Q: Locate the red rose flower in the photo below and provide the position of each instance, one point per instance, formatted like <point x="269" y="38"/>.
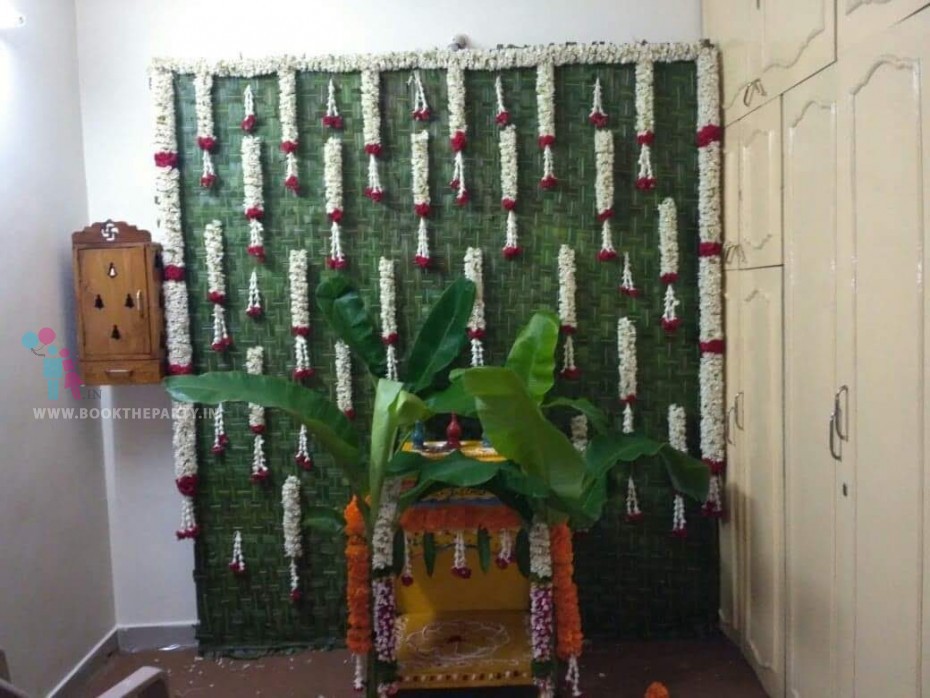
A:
<point x="606" y="255"/>
<point x="572" y="373"/>
<point x="302" y="373"/>
<point x="187" y="485"/>
<point x="216" y="297"/>
<point x="300" y="331"/>
<point x="206" y="143"/>
<point x="337" y="262"/>
<point x="546" y="140"/>
<point x="502" y="118"/>
<point x="501" y="563"/>
<point x="180" y="369"/>
<point x="257" y="428"/>
<point x="511" y="252"/>
<point x="207" y="181"/>
<point x="605" y="214"/>
<point x="332" y="121"/>
<point x="173" y="272"/>
<point x="421" y="114"/>
<point x="295" y="595"/>
<point x="248" y="123"/>
<point x="421" y="261"/>
<point x="711" y="133"/>
<point x="458" y="141"/>
<point x="462" y="198"/>
<point x="548" y="182"/>
<point x="373" y="149"/>
<point x="389" y="340"/>
<point x="292" y="183"/>
<point x="645" y="138"/>
<point x="710" y="249"/>
<point x="257" y="251"/>
<point x="476" y="333"/>
<point x="288" y="147"/>
<point x="568" y="329"/>
<point x="254" y="213"/>
<point x="597" y="119"/>
<point x="669" y="278"/>
<point x="454" y="184"/>
<point x="422" y="210"/>
<point x="375" y="195"/>
<point x="349" y="414"/>
<point x="646" y="183"/>
<point x="406" y="580"/>
<point x="714" y="346"/>
<point x="635" y="517"/>
<point x="166" y="158"/>
<point x="629" y="292"/>
<point x="335" y="215"/>
<point x="254" y="311"/>
<point x="260" y="476"/>
<point x="508" y="204"/>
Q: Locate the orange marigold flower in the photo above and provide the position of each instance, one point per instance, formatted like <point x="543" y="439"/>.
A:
<point x="569" y="637"/>
<point x="358" y="636"/>
<point x="656" y="690"/>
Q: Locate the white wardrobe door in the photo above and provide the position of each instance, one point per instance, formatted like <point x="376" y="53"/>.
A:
<point x="798" y="39"/>
<point x="760" y="225"/>
<point x="810" y="356"/>
<point x="762" y="493"/>
<point x="882" y="125"/>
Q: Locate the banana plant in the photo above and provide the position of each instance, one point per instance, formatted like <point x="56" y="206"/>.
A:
<point x="397" y="406"/>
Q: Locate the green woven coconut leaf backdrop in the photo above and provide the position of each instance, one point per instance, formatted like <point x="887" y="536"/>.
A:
<point x="634" y="579"/>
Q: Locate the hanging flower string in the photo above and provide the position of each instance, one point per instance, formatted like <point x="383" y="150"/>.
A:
<point x="460" y="566"/>
<point x="541" y="608"/>
<point x="358" y="588"/>
<point x="216" y="284"/>
<point x="420" y="110"/>
<point x="253" y="204"/>
<point x="505" y="554"/>
<point x="185" y="467"/>
<point x="545" y="108"/>
<point x="677" y="439"/>
<point x="604" y="190"/>
<point x="248" y="110"/>
<point x="385" y="608"/>
<point x="300" y="313"/>
<point x="633" y="513"/>
<point x="344" y="379"/>
<point x="255" y="366"/>
<point x="206" y="137"/>
<point x="419" y="160"/>
<point x="388" y="298"/>
<point x="287" y="107"/>
<point x="567" y="615"/>
<point x="502" y="118"/>
<point x="713" y="444"/>
<point x="597" y="117"/>
<point x="508" y="148"/>
<point x="331" y="119"/>
<point x="254" y="307"/>
<point x="668" y="262"/>
<point x="371" y="131"/>
<point x="455" y="81"/>
<point x="302" y="456"/>
<point x="220" y="439"/>
<point x="626" y="368"/>
<point x="645" y="123"/>
<point x="567" y="315"/>
<point x="476" y="323"/>
<point x="293" y="544"/>
<point x="237" y="563"/>
<point x="406" y="575"/>
<point x="627" y="286"/>
<point x="332" y="180"/>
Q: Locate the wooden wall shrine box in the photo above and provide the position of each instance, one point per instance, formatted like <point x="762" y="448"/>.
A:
<point x="117" y="284"/>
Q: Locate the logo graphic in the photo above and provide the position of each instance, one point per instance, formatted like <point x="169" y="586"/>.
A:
<point x="57" y="364"/>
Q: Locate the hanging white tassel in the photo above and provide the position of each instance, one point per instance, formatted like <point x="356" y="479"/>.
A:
<point x="254" y="308"/>
<point x="670" y="319"/>
<point x="406" y="576"/>
<point x="633" y="513"/>
<point x="459" y="562"/>
<point x="221" y="339"/>
<point x="679" y="524"/>
<point x="220" y="440"/>
<point x="420" y="105"/>
<point x="237" y="563"/>
<point x="627" y="287"/>
<point x="189" y="527"/>
<point x="260" y="471"/>
<point x="331" y="119"/>
<point x="302" y="457"/>
<point x="421" y="259"/>
<point x="505" y="551"/>
<point x="579" y="426"/>
<point x="358" y="680"/>
<point x="573" y="676"/>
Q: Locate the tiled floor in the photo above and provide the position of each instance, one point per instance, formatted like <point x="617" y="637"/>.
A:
<point x="693" y="669"/>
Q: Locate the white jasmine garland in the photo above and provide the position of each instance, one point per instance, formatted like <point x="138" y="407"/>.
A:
<point x="627" y="286"/>
<point x="213" y="246"/>
<point x="206" y="138"/>
<point x="293" y="543"/>
<point x="540" y="554"/>
<point x="344" y="379"/>
<point x="422" y="257"/>
<point x="645" y="123"/>
<point x="545" y="109"/>
<point x="253" y="204"/>
<point x="371" y="130"/>
<point x="382" y="542"/>
<point x="567" y="315"/>
<point x="579" y="427"/>
<point x="165" y="135"/>
<point x="255" y="366"/>
<point x="260" y="471"/>
<point x="604" y="189"/>
<point x="287" y="108"/>
<point x="332" y="180"/>
<point x="221" y="339"/>
<point x="627" y="365"/>
<point x="455" y="84"/>
<point x="185" y="465"/>
<point x="419" y="163"/>
<point x="237" y="562"/>
<point x="476" y="323"/>
<point x="633" y="512"/>
<point x="670" y="320"/>
<point x="388" y="300"/>
<point x="459" y="561"/>
<point x="331" y="119"/>
<point x="505" y="551"/>
<point x="188" y="527"/>
<point x="502" y="117"/>
<point x="302" y="368"/>
<point x="677" y="436"/>
<point x="597" y="117"/>
<point x="420" y="105"/>
<point x="220" y="439"/>
<point x="628" y="419"/>
<point x="248" y="109"/>
<point x="254" y="307"/>
<point x="508" y="150"/>
<point x="668" y="241"/>
<point x="297" y="276"/>
<point x="511" y="239"/>
<point x="302" y="456"/>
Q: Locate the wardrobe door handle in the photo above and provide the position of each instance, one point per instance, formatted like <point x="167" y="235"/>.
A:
<point x="836" y="457"/>
<point x="726" y="427"/>
<point x="738" y="402"/>
<point x="842" y="413"/>
<point x="747" y="94"/>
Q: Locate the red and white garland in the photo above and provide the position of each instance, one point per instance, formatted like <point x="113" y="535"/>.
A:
<point x="567" y="315"/>
<point x="505" y="552"/>
<point x="419" y="163"/>
<point x="502" y="117"/>
<point x="460" y="566"/>
<point x="668" y="262"/>
<point x="185" y="467"/>
<point x="206" y="137"/>
<point x="508" y="148"/>
<point x="541" y="604"/>
<point x="253" y="202"/>
<point x="627" y="286"/>
<point x="220" y="439"/>
<point x="216" y="284"/>
<point x="237" y="563"/>
<point x="255" y="366"/>
<point x="420" y="111"/>
<point x="344" y="379"/>
<point x="388" y="299"/>
<point x="371" y="131"/>
<point x="331" y="119"/>
<point x="302" y="456"/>
<point x="677" y="439"/>
<point x="597" y="117"/>
<point x="248" y="110"/>
<point x="287" y="108"/>
<point x="545" y="109"/>
<point x="455" y="81"/>
<point x="254" y="308"/>
<point x="332" y="181"/>
<point x="713" y="444"/>
<point x="300" y="313"/>
<point x="645" y="122"/>
<point x="476" y="323"/>
<point x="604" y="189"/>
<point x="293" y="543"/>
<point x="626" y="368"/>
<point x="382" y="559"/>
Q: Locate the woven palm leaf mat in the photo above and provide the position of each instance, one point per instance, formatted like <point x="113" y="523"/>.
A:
<point x="634" y="579"/>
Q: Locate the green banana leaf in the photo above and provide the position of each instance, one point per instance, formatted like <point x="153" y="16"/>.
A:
<point x="689" y="476"/>
<point x="532" y="355"/>
<point x="324" y="519"/>
<point x="345" y="313"/>
<point x="455" y="470"/>
<point x="329" y="427"/>
<point x="442" y="336"/>
<point x="597" y="419"/>
<point x="516" y="427"/>
<point x="484" y="549"/>
<point x="454" y="399"/>
<point x="606" y="450"/>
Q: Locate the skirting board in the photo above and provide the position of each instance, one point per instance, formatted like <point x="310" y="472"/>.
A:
<point x="131" y="638"/>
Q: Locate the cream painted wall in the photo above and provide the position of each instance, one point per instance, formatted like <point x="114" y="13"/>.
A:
<point x="117" y="39"/>
<point x="56" y="598"/>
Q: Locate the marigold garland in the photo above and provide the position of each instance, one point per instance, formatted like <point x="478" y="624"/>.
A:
<point x="569" y="637"/>
<point x="358" y="583"/>
<point x="457" y="517"/>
